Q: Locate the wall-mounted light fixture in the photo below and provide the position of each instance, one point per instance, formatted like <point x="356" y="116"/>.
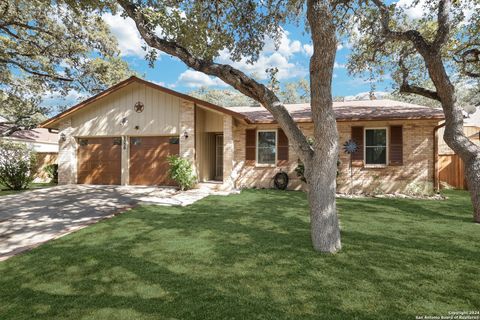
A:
<point x="63" y="137"/>
<point x="185" y="135"/>
<point x="124" y="121"/>
<point x="137" y="127"/>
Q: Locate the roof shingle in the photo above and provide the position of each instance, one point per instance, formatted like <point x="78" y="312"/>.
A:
<point x="349" y="111"/>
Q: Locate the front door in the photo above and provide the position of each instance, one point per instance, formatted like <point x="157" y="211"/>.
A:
<point x="219" y="157"/>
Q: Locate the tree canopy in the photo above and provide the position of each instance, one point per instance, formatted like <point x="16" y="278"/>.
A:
<point x="52" y="47"/>
<point x="378" y="54"/>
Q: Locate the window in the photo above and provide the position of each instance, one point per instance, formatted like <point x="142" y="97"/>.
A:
<point x="376" y="146"/>
<point x="266" y="147"/>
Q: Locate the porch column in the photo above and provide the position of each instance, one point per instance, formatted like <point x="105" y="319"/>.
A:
<point x="187" y="125"/>
<point x="67" y="154"/>
<point x="125" y="160"/>
<point x="228" y="153"/>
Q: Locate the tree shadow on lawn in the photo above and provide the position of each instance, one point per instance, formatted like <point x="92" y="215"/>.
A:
<point x="241" y="257"/>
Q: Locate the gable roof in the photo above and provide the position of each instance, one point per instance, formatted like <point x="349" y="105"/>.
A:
<point x="52" y="122"/>
<point x="381" y="109"/>
<point x="349" y="111"/>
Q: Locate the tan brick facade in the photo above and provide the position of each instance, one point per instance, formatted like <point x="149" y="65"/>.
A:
<point x="414" y="176"/>
<point x="67" y="154"/>
<point x="187" y="125"/>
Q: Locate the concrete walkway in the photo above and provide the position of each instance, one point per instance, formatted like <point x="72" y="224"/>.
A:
<point x="30" y="218"/>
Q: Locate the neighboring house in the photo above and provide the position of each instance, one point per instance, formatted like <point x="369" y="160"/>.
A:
<point x="451" y="169"/>
<point x="42" y="141"/>
<point x="123" y="135"/>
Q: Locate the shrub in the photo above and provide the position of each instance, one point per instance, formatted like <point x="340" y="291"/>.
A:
<point x="52" y="172"/>
<point x="181" y="171"/>
<point x="300" y="170"/>
<point x="17" y="162"/>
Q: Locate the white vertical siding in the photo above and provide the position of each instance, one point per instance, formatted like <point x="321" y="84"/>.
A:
<point x="103" y="117"/>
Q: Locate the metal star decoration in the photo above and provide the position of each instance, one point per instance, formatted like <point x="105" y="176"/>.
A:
<point x="350" y="147"/>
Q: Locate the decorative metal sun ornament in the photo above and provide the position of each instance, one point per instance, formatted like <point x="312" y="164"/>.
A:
<point x="139" y="107"/>
<point x="350" y="147"/>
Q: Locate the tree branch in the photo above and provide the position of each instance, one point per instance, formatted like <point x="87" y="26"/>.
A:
<point x="406" y="87"/>
<point x="443" y="21"/>
<point x="28" y="70"/>
<point x="410" y="35"/>
<point x="228" y="74"/>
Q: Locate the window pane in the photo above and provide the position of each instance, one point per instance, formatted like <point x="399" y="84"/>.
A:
<point x="376" y="155"/>
<point x="266" y="139"/>
<point x="266" y="147"/>
<point x="376" y="137"/>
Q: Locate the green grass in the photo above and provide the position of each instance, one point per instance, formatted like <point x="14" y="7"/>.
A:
<point x="4" y="191"/>
<point x="249" y="256"/>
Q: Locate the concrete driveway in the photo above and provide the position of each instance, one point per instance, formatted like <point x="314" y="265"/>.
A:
<point x="30" y="218"/>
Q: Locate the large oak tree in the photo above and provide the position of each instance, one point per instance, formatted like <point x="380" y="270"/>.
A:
<point x="196" y="32"/>
<point x="426" y="56"/>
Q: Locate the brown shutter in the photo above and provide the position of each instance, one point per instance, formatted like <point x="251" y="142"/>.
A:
<point x="396" y="146"/>
<point x="357" y="136"/>
<point x="250" y="146"/>
<point x="282" y="148"/>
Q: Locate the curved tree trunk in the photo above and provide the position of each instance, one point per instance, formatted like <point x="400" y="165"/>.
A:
<point x="431" y="52"/>
<point x="320" y="161"/>
<point x="472" y="172"/>
<point x="454" y="134"/>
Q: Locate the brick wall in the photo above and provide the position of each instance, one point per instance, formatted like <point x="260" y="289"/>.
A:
<point x="67" y="155"/>
<point x="187" y="125"/>
<point x="414" y="176"/>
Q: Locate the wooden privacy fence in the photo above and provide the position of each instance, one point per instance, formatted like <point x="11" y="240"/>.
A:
<point x="451" y="171"/>
<point x="43" y="160"/>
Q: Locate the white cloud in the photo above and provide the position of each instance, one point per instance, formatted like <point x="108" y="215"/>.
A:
<point x="271" y="57"/>
<point x="338" y="65"/>
<point x="308" y="49"/>
<point x="55" y="98"/>
<point x="286" y="69"/>
<point x="124" y="29"/>
<point x="195" y="79"/>
<point x="286" y="47"/>
<point x="412" y="11"/>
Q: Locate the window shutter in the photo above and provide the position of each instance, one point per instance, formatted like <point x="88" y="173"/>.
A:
<point x="396" y="146"/>
<point x="357" y="136"/>
<point x="282" y="148"/>
<point x="250" y="146"/>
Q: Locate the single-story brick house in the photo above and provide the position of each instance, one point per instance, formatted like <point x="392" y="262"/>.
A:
<point x="123" y="135"/>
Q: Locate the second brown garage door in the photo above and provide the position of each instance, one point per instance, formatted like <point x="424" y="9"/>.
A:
<point x="148" y="159"/>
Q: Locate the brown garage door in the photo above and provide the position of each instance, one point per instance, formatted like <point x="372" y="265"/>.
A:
<point x="99" y="161"/>
<point x="148" y="159"/>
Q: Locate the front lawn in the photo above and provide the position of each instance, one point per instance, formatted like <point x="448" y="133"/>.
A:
<point x="248" y="256"/>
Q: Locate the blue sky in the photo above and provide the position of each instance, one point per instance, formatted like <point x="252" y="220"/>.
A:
<point x="291" y="59"/>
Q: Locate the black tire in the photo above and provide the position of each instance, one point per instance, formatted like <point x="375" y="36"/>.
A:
<point x="280" y="181"/>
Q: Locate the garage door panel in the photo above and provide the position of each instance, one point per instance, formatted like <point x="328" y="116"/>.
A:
<point x="99" y="161"/>
<point x="148" y="160"/>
